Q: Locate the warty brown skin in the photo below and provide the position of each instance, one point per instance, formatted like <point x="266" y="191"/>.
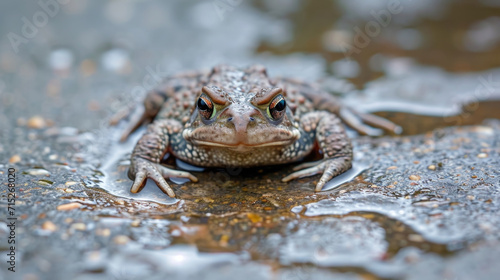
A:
<point x="231" y="117"/>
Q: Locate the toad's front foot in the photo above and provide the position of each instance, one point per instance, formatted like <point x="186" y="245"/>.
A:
<point x="330" y="168"/>
<point x="142" y="169"/>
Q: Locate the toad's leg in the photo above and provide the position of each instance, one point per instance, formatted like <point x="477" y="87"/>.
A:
<point x="147" y="155"/>
<point x="333" y="142"/>
<point x="152" y="105"/>
<point x="324" y="101"/>
<point x="356" y="121"/>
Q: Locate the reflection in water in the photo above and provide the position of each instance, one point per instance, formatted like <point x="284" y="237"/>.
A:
<point x="346" y="177"/>
<point x="114" y="179"/>
<point x="179" y="261"/>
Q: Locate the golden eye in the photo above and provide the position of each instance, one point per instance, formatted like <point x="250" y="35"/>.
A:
<point x="277" y="107"/>
<point x="206" y="107"/>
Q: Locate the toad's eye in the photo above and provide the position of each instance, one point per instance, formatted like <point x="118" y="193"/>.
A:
<point x="276" y="109"/>
<point x="206" y="107"/>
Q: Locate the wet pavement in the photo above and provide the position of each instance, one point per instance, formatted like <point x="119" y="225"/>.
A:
<point x="421" y="205"/>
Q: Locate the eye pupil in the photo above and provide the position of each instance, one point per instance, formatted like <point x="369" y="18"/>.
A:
<point x="277" y="107"/>
<point x="205" y="107"/>
<point x="202" y="105"/>
<point x="281" y="105"/>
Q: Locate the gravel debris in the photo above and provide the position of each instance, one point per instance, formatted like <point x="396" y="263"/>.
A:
<point x="414" y="177"/>
<point x="69" y="206"/>
<point x="121" y="239"/>
<point x="79" y="226"/>
<point x="49" y="226"/>
<point x="36" y="122"/>
<point x="14" y="159"/>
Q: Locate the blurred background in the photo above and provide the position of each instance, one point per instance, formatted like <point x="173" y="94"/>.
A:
<point x="67" y="65"/>
<point x="69" y="61"/>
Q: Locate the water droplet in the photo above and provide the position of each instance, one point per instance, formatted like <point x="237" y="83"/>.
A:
<point x="61" y="59"/>
<point x="115" y="59"/>
<point x="345" y="68"/>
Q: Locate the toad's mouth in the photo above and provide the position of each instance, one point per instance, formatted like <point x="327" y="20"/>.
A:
<point x="242" y="141"/>
<point x="242" y="146"/>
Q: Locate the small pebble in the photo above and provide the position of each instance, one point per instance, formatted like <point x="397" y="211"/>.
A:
<point x="223" y="240"/>
<point x="471" y="197"/>
<point x="431" y="167"/>
<point x="69" y="206"/>
<point x="79" y="226"/>
<point x="88" y="67"/>
<point x="36" y="122"/>
<point x="374" y="186"/>
<point x="486" y="227"/>
<point x="121" y="239"/>
<point x="415" y="238"/>
<point x="45" y="182"/>
<point x="135" y="223"/>
<point x="391" y="186"/>
<point x="482" y="155"/>
<point x="254" y="218"/>
<point x="49" y="226"/>
<point x="94" y="256"/>
<point x="15" y="159"/>
<point x="93" y="105"/>
<point x="70" y="183"/>
<point x="37" y="172"/>
<point x="414" y="177"/>
<point x="392" y="167"/>
<point x="103" y="232"/>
